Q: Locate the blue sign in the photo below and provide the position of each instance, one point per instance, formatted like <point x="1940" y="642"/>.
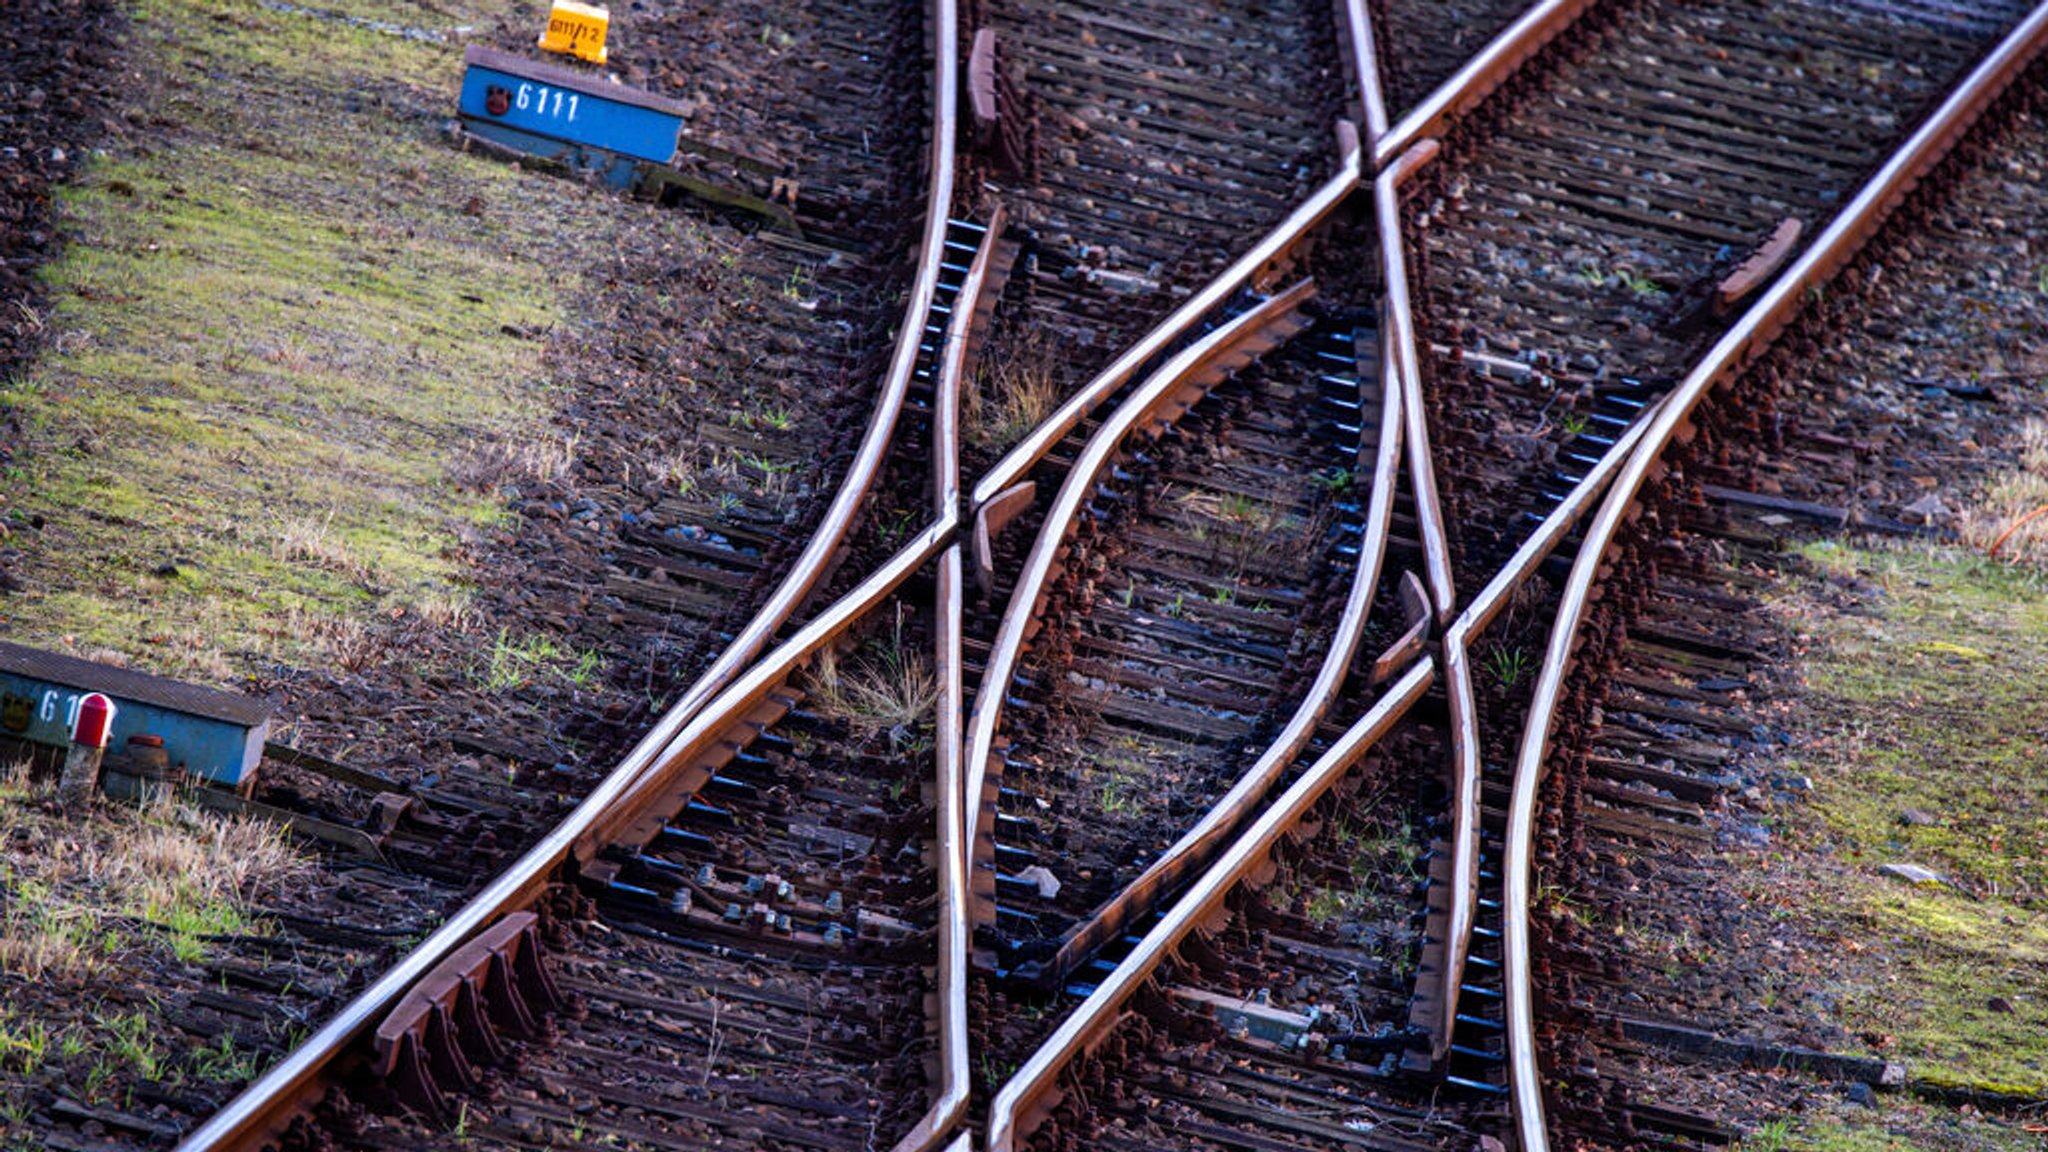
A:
<point x="502" y="90"/>
<point x="217" y="735"/>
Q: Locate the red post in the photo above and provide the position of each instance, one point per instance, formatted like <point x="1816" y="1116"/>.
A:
<point x="89" y="734"/>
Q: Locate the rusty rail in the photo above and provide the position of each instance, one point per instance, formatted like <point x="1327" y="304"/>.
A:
<point x="1175" y="386"/>
<point x="261" y="1111"/>
<point x="1735" y="351"/>
<point x="1260" y="260"/>
<point x="1481" y="76"/>
<point x="811" y="567"/>
<point x="1028" y="1095"/>
<point x="1198" y="844"/>
<point x="950" y="1107"/>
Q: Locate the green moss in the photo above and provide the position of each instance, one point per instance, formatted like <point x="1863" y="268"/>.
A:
<point x="276" y="334"/>
<point x="1897" y="1125"/>
<point x="1929" y="698"/>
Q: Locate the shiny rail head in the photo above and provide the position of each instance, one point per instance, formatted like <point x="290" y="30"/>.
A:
<point x="1741" y="347"/>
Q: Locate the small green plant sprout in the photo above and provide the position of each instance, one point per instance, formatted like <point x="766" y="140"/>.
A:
<point x="1642" y="286"/>
<point x="1509" y="665"/>
<point x="1224" y="595"/>
<point x="221" y="1064"/>
<point x="1593" y="274"/>
<point x="1119" y="794"/>
<point x="798" y="288"/>
<point x="1771" y="1137"/>
<point x="1573" y="423"/>
<point x="22" y="1046"/>
<point x="1176" y="608"/>
<point x="514" y="662"/>
<point x="729" y="504"/>
<point x="1332" y="480"/>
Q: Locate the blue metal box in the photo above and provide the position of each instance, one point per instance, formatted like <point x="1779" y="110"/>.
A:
<point x="502" y="91"/>
<point x="217" y="735"/>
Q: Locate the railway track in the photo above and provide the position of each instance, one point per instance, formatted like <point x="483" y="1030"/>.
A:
<point x="786" y="869"/>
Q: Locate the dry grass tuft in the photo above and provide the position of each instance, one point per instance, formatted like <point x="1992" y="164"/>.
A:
<point x="893" y="690"/>
<point x="74" y="897"/>
<point x="1016" y="389"/>
<point x="2006" y="501"/>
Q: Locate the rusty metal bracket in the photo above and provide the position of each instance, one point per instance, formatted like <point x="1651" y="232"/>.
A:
<point x="454" y="1018"/>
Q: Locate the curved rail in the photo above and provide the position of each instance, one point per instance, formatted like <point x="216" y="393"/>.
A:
<point x="1198" y="843"/>
<point x="951" y="1105"/>
<point x="1020" y="1102"/>
<point x="1020" y="617"/>
<point x="1261" y="257"/>
<point x="1481" y="76"/>
<point x="262" y="1109"/>
<point x="1741" y="347"/>
<point x="815" y="562"/>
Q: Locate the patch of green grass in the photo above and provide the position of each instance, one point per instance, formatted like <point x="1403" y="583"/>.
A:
<point x="222" y="1064"/>
<point x="516" y="661"/>
<point x="270" y="334"/>
<point x="129" y="1038"/>
<point x="1902" y="1124"/>
<point x="1927" y="697"/>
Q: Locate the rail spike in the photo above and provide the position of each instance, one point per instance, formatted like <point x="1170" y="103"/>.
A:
<point x="459" y="1014"/>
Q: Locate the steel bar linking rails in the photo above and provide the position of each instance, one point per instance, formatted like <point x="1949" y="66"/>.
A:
<point x="1742" y="346"/>
<point x="1271" y="247"/>
<point x="1017" y="1104"/>
<point x="1481" y="76"/>
<point x="1031" y="583"/>
<point x="260" y="1111"/>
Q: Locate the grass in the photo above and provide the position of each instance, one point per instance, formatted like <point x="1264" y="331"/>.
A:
<point x="888" y="687"/>
<point x="266" y="337"/>
<point x="514" y="662"/>
<point x="1509" y="665"/>
<point x="1902" y="1125"/>
<point x="1927" y="697"/>
<point x="1015" y="389"/>
<point x="76" y="899"/>
<point x="2006" y="501"/>
<point x="1124" y="776"/>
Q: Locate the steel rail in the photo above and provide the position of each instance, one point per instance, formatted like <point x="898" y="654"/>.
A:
<point x="1199" y="843"/>
<point x="816" y="561"/>
<point x="1480" y="77"/>
<point x="263" y="1108"/>
<point x="1020" y="1103"/>
<point x="1739" y="348"/>
<point x="1365" y="69"/>
<point x="1458" y="689"/>
<point x="1260" y="258"/>
<point x="1400" y="334"/>
<point x="950" y="1106"/>
<point x="1020" y="616"/>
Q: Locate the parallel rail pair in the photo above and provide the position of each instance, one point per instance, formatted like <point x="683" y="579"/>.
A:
<point x="744" y="676"/>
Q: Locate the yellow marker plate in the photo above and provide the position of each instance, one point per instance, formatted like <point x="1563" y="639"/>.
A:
<point x="577" y="30"/>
